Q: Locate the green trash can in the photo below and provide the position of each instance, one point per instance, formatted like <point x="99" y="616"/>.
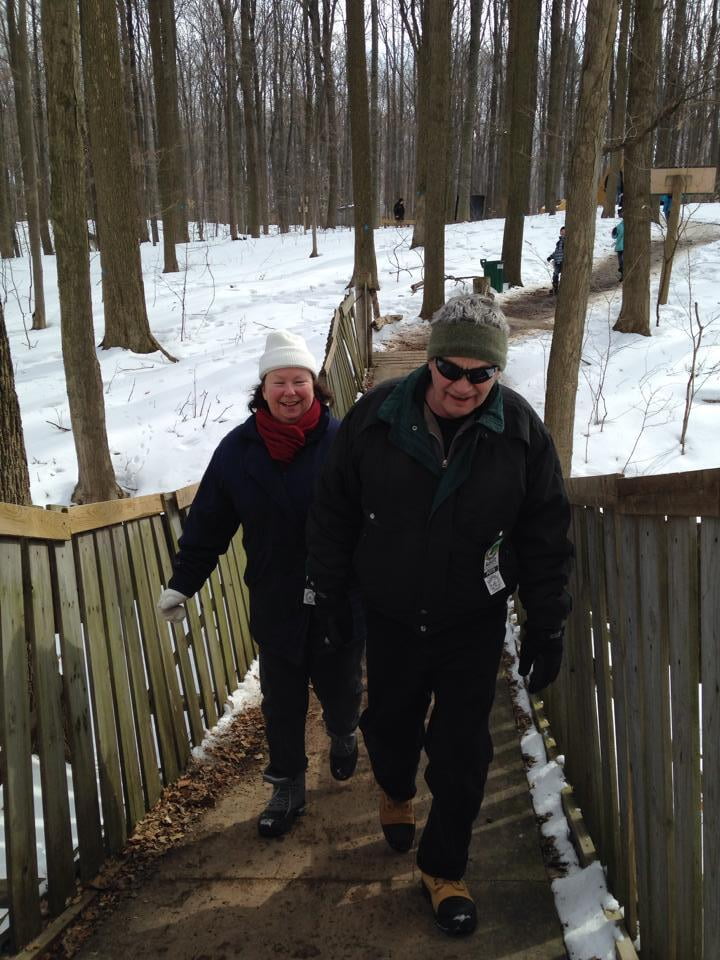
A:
<point x="494" y="271"/>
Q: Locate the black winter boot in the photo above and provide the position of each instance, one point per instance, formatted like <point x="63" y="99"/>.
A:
<point x="343" y="756"/>
<point x="286" y="804"/>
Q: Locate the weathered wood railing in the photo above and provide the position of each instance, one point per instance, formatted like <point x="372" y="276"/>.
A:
<point x="117" y="693"/>
<point x="343" y="368"/>
<point x="636" y="710"/>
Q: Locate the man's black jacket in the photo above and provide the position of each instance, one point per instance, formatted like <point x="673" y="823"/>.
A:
<point x="419" y="536"/>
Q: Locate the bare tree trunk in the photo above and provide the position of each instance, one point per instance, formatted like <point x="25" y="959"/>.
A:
<point x="163" y="57"/>
<point x="309" y="194"/>
<point x="263" y="189"/>
<point x="153" y="188"/>
<point x="364" y="279"/>
<point x="463" y="211"/>
<point x="374" y="112"/>
<point x="635" y="311"/>
<point x="247" y="59"/>
<point x="495" y="199"/>
<point x="422" y="98"/>
<point x="666" y="149"/>
<point x="7" y="218"/>
<point x="20" y="66"/>
<point x="131" y="112"/>
<point x="525" y="26"/>
<point x="43" y="174"/>
<point x="564" y="364"/>
<point x="554" y="122"/>
<point x="437" y="19"/>
<point x="331" y="108"/>
<point x="227" y="13"/>
<point x="619" y="106"/>
<point x="96" y="479"/>
<point x="14" y="476"/>
<point x="126" y="320"/>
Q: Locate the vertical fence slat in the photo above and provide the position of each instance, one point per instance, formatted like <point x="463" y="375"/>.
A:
<point x="627" y="547"/>
<point x="167" y="654"/>
<point x="233" y="588"/>
<point x="584" y="765"/>
<point x="683" y="607"/>
<point x="136" y="669"/>
<point x="51" y="737"/>
<point x="658" y="933"/>
<point x="607" y="815"/>
<point x="212" y="641"/>
<point x="111" y="787"/>
<point x="151" y="647"/>
<point x="624" y="883"/>
<point x="77" y="705"/>
<point x="192" y="704"/>
<point x="197" y="643"/>
<point x="244" y="601"/>
<point x="120" y="681"/>
<point x="217" y="589"/>
<point x="710" y="666"/>
<point x="22" y="870"/>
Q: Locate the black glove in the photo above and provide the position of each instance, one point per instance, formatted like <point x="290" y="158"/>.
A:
<point x="550" y="258"/>
<point x="540" y="651"/>
<point x="331" y="619"/>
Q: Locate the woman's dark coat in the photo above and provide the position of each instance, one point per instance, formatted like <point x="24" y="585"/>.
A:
<point x="243" y="485"/>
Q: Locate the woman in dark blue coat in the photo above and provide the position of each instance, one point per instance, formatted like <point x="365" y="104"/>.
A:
<point x="262" y="476"/>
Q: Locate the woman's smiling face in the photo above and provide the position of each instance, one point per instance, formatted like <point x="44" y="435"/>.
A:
<point x="289" y="393"/>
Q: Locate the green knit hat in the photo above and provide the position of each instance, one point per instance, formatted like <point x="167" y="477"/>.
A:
<point x="470" y="326"/>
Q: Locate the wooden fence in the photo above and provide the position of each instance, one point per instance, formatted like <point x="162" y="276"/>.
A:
<point x="118" y="695"/>
<point x="343" y="369"/>
<point x="636" y="710"/>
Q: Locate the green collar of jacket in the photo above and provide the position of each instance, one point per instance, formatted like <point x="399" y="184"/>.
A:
<point x="402" y="410"/>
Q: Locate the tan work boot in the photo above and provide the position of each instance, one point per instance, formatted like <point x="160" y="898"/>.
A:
<point x="397" y="819"/>
<point x="454" y="909"/>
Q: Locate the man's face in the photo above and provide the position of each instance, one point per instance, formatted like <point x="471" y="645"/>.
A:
<point x="457" y="398"/>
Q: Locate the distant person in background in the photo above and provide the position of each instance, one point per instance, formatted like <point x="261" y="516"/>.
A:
<point x="618" y="235"/>
<point x="666" y="203"/>
<point x="263" y="476"/>
<point x="399" y="210"/>
<point x="557" y="258"/>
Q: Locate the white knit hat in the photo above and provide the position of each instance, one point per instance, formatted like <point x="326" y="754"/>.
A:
<point x="283" y="349"/>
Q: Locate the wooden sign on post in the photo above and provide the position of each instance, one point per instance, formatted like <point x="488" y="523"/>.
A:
<point x="677" y="182"/>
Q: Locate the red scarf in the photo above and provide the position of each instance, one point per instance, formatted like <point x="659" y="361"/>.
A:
<point x="284" y="440"/>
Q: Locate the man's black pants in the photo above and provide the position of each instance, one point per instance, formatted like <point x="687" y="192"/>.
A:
<point x="405" y="670"/>
<point x="337" y="680"/>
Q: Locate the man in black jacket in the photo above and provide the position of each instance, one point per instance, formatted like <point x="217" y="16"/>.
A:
<point x="442" y="494"/>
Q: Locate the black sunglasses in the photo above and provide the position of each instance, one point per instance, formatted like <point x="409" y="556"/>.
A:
<point x="451" y="371"/>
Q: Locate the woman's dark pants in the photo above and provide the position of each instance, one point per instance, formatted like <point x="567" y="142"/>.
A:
<point x="337" y="680"/>
<point x="457" y="667"/>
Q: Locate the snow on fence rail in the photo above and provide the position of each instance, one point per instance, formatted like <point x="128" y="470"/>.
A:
<point x="91" y="675"/>
<point x="636" y="710"/>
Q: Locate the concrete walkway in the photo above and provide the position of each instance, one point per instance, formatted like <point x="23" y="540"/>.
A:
<point x="332" y="888"/>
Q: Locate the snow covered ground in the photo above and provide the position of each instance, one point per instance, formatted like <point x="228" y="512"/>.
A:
<point x="165" y="419"/>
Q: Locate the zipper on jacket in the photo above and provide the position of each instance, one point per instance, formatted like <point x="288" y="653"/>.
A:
<point x="444" y="463"/>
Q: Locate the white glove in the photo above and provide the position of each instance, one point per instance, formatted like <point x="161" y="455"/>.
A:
<point x="171" y="605"/>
